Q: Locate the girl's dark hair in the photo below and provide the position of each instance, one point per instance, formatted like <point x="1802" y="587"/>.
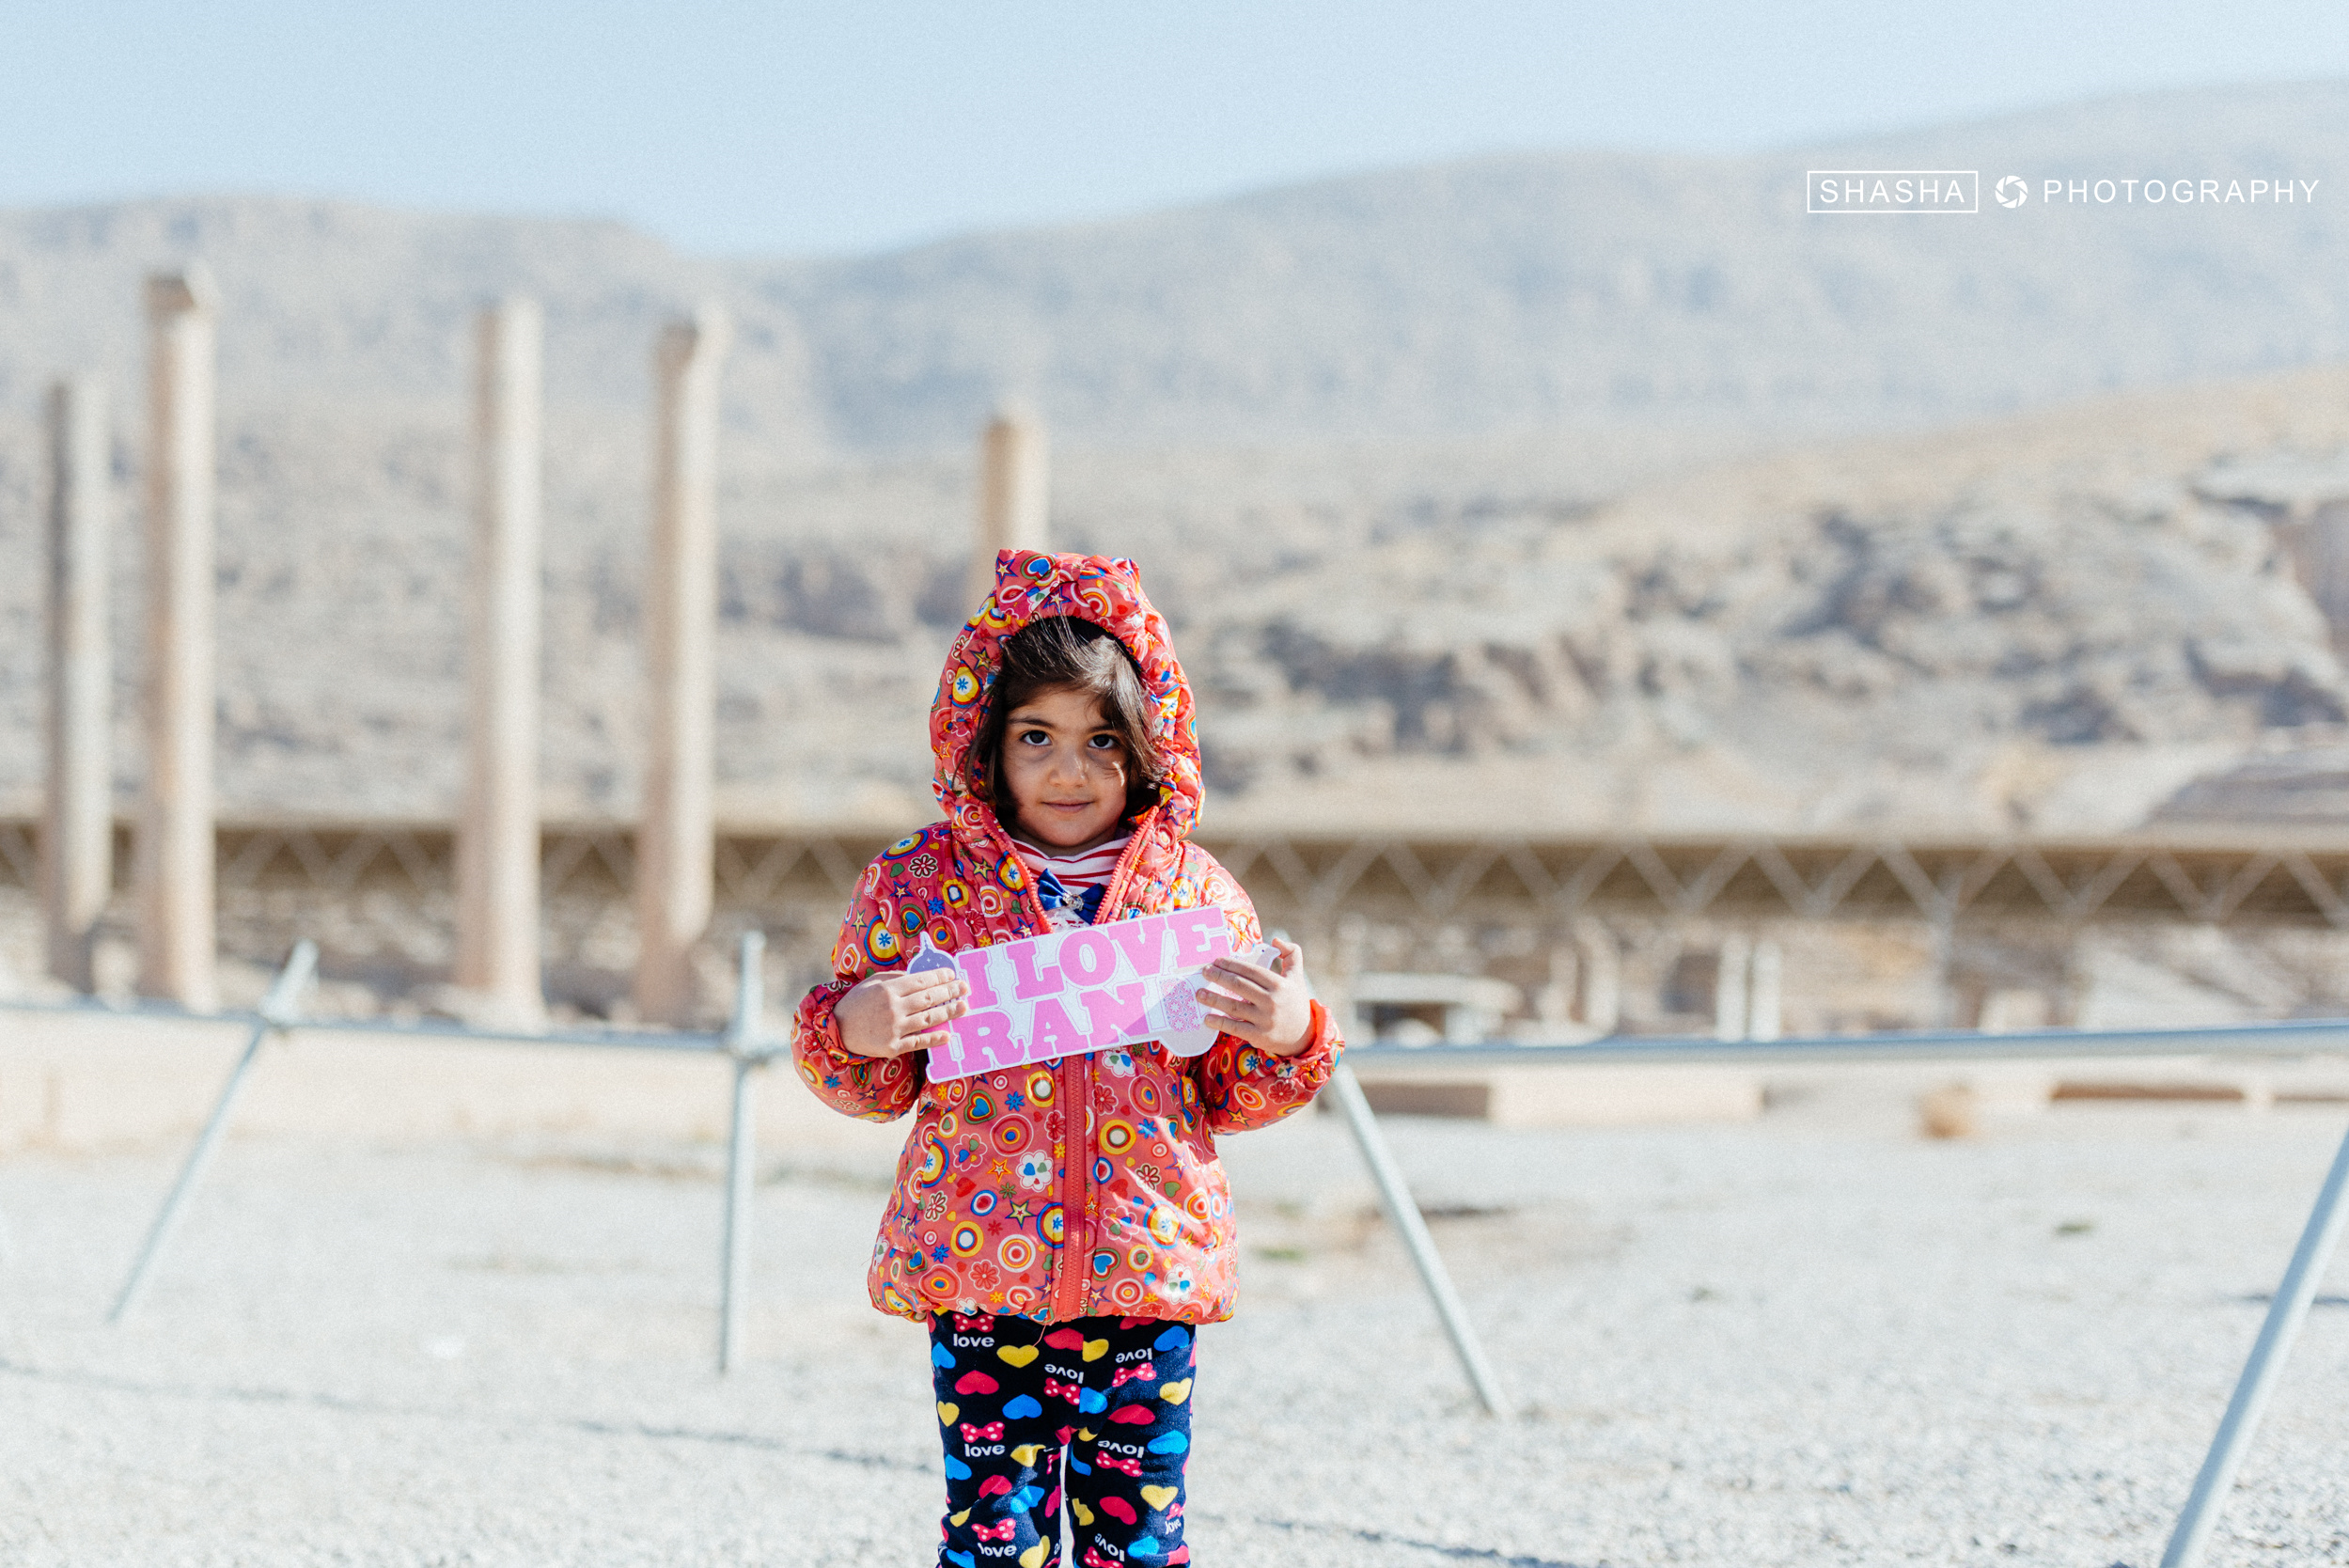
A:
<point x="1063" y="653"/>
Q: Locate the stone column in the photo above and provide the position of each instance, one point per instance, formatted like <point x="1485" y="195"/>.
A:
<point x="1015" y="495"/>
<point x="77" y="815"/>
<point x="1731" y="976"/>
<point x="497" y="836"/>
<point x="1766" y="1007"/>
<point x="1602" y="964"/>
<point x="673" y="841"/>
<point x="1554" y="1002"/>
<point x="173" y="861"/>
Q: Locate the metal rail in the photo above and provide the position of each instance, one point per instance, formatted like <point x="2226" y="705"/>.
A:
<point x="742" y="1154"/>
<point x="745" y="1046"/>
<point x="1404" y="1211"/>
<point x="744" y="1041"/>
<point x="276" y="1011"/>
<point x="686" y="1041"/>
<point x="2285" y="1313"/>
<point x="2288" y="1037"/>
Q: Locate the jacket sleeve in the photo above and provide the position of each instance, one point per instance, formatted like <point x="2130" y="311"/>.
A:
<point x="872" y="1089"/>
<point x="1242" y="1085"/>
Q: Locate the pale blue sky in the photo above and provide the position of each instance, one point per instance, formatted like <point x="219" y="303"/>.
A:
<point x="856" y="124"/>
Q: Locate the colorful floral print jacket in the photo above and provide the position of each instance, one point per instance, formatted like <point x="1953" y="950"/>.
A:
<point x="1087" y="1185"/>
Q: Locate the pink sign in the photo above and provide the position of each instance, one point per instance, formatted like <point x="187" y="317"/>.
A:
<point x="1083" y="989"/>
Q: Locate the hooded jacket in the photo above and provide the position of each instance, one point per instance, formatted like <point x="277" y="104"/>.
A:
<point x="1086" y="1185"/>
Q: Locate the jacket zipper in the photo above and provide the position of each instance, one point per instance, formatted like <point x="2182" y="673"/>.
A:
<point x="1075" y="1085"/>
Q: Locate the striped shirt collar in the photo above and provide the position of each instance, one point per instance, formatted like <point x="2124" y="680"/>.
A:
<point x="1071" y="886"/>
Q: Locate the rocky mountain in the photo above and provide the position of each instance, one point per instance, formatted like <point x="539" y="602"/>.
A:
<point x="2050" y="622"/>
<point x="1529" y="291"/>
<point x="1611" y="486"/>
<point x="1541" y="290"/>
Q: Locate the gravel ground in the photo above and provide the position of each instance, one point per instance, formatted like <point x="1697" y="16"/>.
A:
<point x="1811" y="1340"/>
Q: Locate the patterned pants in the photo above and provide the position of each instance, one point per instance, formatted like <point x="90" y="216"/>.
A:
<point x="1111" y="1394"/>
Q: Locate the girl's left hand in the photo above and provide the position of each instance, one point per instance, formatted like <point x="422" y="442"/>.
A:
<point x="1271" y="1008"/>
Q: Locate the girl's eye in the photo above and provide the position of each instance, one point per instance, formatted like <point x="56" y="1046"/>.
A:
<point x="1103" y="743"/>
<point x="1035" y="737"/>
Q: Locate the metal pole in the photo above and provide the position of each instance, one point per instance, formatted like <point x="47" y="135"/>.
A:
<point x="741" y="1156"/>
<point x="1405" y="1211"/>
<point x="277" y="1010"/>
<point x="2285" y="1314"/>
<point x="740" y="1160"/>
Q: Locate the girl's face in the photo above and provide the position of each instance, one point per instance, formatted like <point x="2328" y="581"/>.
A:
<point x="1066" y="772"/>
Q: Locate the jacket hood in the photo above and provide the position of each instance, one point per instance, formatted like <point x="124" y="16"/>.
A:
<point x="1031" y="585"/>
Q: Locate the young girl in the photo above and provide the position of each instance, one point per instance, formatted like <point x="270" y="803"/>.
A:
<point x="1061" y="1228"/>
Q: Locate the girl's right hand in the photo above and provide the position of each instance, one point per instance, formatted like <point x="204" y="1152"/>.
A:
<point x="892" y="1013"/>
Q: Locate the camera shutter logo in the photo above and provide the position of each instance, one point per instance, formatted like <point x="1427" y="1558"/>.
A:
<point x="2014" y="191"/>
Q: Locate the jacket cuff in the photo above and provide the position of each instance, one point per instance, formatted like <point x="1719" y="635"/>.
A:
<point x="816" y="1046"/>
<point x="1320" y="1054"/>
